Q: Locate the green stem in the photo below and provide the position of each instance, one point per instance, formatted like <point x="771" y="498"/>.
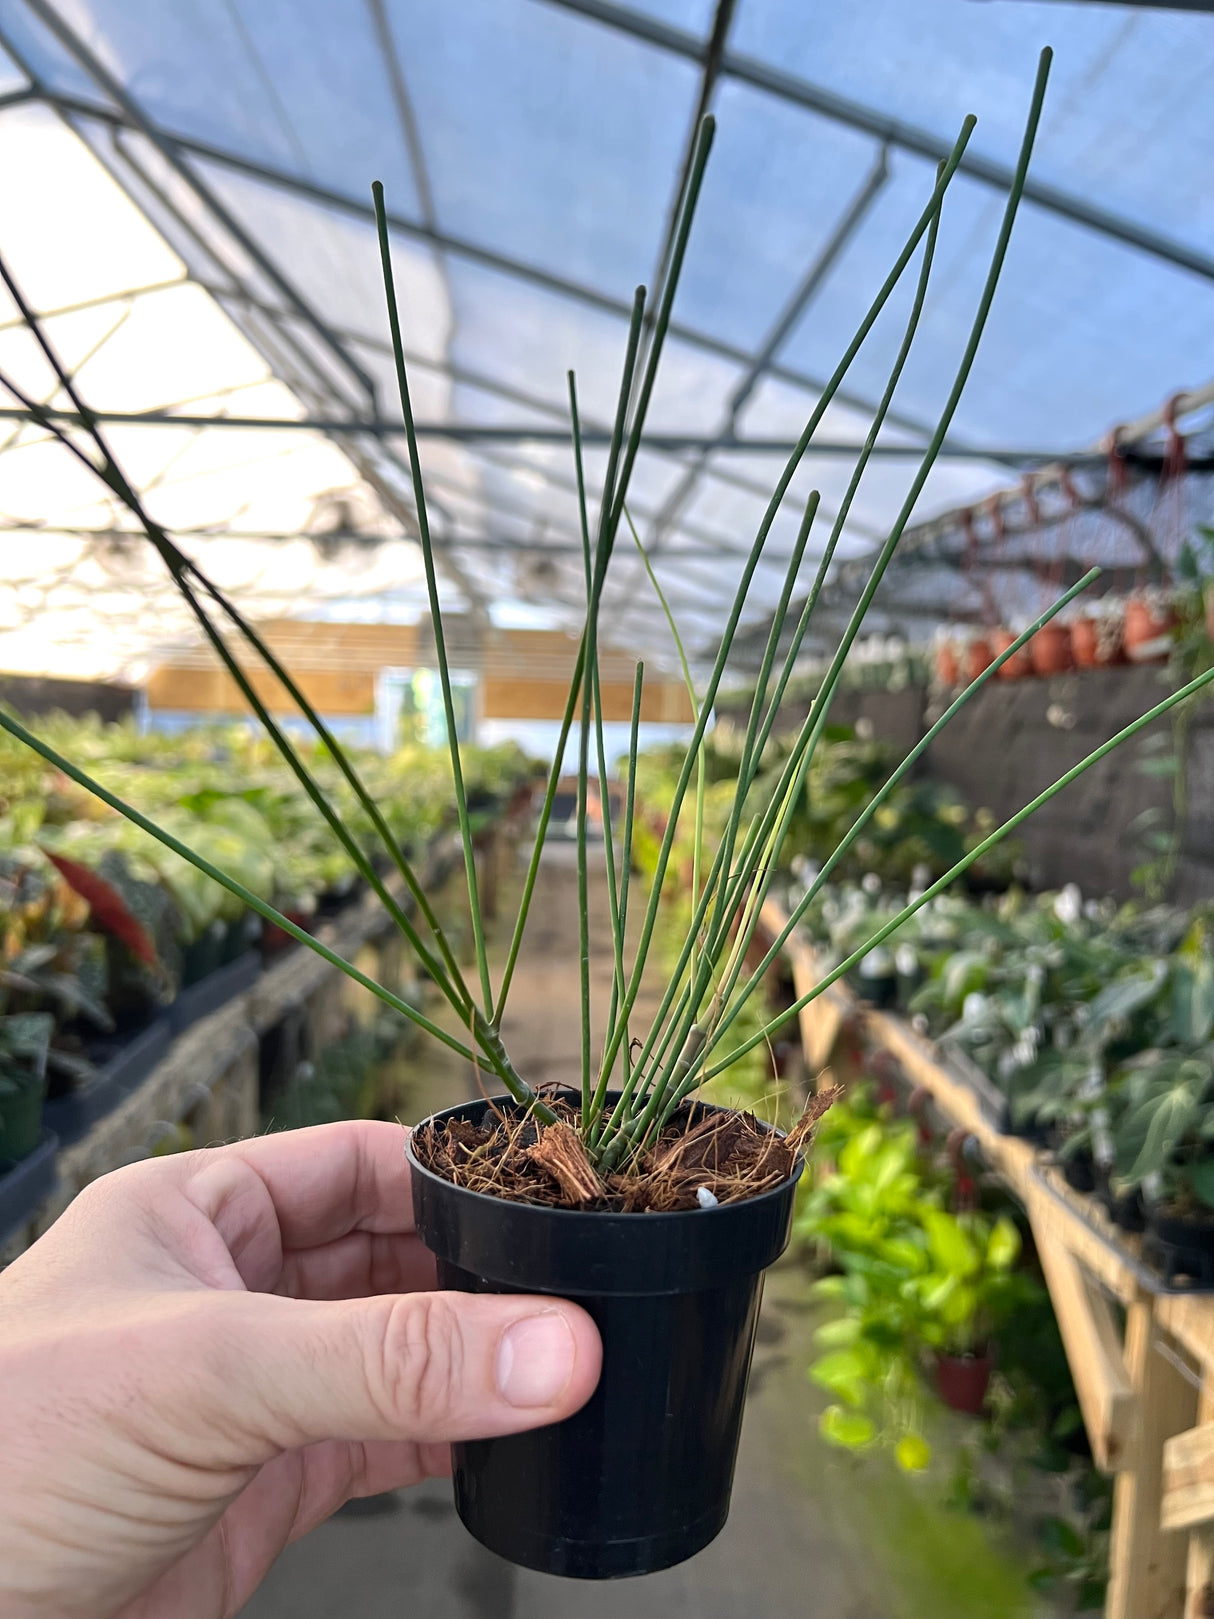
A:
<point x="776" y="824"/>
<point x="887" y="788"/>
<point x="440" y="648"/>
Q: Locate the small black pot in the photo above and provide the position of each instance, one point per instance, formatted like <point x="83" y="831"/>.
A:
<point x="1079" y="1169"/>
<point x="1180" y="1247"/>
<point x="1125" y="1210"/>
<point x="639" y="1478"/>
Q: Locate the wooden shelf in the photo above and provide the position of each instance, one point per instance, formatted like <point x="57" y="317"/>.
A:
<point x="1138" y="1388"/>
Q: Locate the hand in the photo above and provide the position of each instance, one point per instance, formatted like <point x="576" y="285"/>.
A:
<point x="208" y="1354"/>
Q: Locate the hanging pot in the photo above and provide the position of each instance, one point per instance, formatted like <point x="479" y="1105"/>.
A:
<point x="962" y="1380"/>
<point x="948" y="670"/>
<point x="1050" y="649"/>
<point x="1019" y="664"/>
<point x="1148" y="630"/>
<point x="978" y="656"/>
<point x="1096" y="642"/>
<point x="639" y="1478"/>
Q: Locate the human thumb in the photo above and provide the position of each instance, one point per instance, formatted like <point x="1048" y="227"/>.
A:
<point x="429" y="1367"/>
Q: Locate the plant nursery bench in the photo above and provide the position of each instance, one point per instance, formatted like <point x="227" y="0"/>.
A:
<point x="1146" y="1390"/>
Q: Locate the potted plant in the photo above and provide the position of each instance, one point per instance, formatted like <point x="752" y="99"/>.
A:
<point x="658" y="1213"/>
<point x="1097" y="635"/>
<point x="25" y="1039"/>
<point x="1149" y="619"/>
<point x="979" y="655"/>
<point x="1018" y="664"/>
<point x="1050" y="649"/>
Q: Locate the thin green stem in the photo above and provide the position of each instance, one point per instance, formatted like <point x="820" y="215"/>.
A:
<point x="775" y="824"/>
<point x="541" y="833"/>
<point x="427" y="548"/>
<point x="883" y="793"/>
<point x="600" y="1096"/>
<point x="944" y="176"/>
<point x="698" y="848"/>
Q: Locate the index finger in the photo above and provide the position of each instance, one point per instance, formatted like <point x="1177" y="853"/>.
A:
<point x="329" y="1179"/>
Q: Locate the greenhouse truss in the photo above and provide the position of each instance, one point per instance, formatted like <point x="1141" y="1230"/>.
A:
<point x="186" y="201"/>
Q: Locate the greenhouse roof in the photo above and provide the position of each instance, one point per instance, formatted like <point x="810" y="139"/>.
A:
<point x="531" y="151"/>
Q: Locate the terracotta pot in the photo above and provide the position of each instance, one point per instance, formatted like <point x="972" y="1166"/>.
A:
<point x="962" y="1380"/>
<point x="1050" y="649"/>
<point x="978" y="656"/>
<point x="948" y="670"/>
<point x="1016" y="666"/>
<point x="1084" y="649"/>
<point x="1147" y="629"/>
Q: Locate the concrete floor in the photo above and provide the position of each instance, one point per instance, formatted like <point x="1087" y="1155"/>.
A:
<point x="812" y="1532"/>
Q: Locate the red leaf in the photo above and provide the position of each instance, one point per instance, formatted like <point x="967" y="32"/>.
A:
<point x="109" y="910"/>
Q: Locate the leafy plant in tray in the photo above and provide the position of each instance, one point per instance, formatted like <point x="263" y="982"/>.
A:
<point x="544" y="1193"/>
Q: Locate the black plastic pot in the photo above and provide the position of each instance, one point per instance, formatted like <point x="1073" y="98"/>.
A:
<point x="26" y="1184"/>
<point x="639" y="1478"/>
<point x="1126" y="1210"/>
<point x="21" y="1116"/>
<point x="1079" y="1168"/>
<point x="1183" y="1249"/>
<point x="214" y="991"/>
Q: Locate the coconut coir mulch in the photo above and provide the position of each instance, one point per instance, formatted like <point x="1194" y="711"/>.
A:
<point x="513" y="1157"/>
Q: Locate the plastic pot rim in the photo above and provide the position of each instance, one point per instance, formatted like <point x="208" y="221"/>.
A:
<point x="547" y="1210"/>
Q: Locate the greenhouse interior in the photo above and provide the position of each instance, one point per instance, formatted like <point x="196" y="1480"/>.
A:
<point x="606" y="850"/>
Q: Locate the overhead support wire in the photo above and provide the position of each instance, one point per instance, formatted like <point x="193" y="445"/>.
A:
<point x="137" y="121"/>
<point x="895" y="132"/>
<point x="726" y="435"/>
<point x="74" y="107"/>
<point x="496" y="433"/>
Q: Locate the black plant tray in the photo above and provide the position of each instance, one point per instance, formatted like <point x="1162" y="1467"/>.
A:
<point x="1152" y="1279"/>
<point x="214" y="991"/>
<point x="25" y="1185"/>
<point x="117" y="1076"/>
<point x="992" y="1103"/>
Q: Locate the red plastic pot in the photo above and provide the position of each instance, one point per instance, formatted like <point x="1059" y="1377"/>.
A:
<point x="1147" y="630"/>
<point x="948" y="670"/>
<point x="1050" y="649"/>
<point x="1016" y="666"/>
<point x="978" y="656"/>
<point x="962" y="1380"/>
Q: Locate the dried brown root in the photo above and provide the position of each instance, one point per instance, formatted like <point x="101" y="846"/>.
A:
<point x="562" y="1153"/>
<point x="730" y="1155"/>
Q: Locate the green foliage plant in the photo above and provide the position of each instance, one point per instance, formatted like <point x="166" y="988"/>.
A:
<point x="914" y="1278"/>
<point x="690" y="1038"/>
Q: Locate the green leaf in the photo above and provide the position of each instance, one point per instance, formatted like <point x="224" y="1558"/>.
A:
<point x="1201" y="1179"/>
<point x="912" y="1453"/>
<point x="1003" y="1249"/>
<point x="951" y="1248"/>
<point x="849" y="1429"/>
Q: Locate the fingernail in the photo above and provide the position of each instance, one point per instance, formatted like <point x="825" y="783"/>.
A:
<point x="535" y="1360"/>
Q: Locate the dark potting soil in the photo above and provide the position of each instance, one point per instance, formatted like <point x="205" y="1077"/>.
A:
<point x="731" y="1155"/>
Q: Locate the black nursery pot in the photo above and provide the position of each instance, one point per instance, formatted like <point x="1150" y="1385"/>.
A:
<point x="639" y="1478"/>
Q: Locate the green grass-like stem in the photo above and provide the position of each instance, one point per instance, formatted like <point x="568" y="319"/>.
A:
<point x="427" y="548"/>
<point x="883" y="793"/>
<point x="756" y="887"/>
